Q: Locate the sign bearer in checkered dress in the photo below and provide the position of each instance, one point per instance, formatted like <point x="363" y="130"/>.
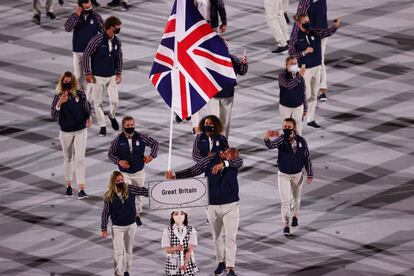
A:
<point x="178" y="241"/>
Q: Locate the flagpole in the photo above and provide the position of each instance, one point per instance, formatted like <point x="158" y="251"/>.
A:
<point x="171" y="135"/>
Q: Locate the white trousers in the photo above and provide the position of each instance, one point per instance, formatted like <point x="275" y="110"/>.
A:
<point x="78" y="72"/>
<point x="324" y="84"/>
<point x="123" y="241"/>
<point x="136" y="179"/>
<point x="295" y="112"/>
<point x="285" y="5"/>
<point x="196" y="117"/>
<point x="74" y="148"/>
<point x="275" y="18"/>
<point x="221" y="107"/>
<point x="224" y="216"/>
<point x="101" y="84"/>
<point x="290" y="186"/>
<point x="37" y="7"/>
<point x="312" y="81"/>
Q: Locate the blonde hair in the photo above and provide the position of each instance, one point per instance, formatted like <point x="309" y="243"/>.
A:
<point x="111" y="192"/>
<point x="59" y="86"/>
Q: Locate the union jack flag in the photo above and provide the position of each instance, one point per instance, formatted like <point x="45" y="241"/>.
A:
<point x="192" y="63"/>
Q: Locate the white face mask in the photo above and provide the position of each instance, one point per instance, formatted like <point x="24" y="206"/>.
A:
<point x="179" y="219"/>
<point x="293" y="68"/>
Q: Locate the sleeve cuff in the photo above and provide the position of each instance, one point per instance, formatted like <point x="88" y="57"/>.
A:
<point x="57" y="108"/>
<point x="226" y="163"/>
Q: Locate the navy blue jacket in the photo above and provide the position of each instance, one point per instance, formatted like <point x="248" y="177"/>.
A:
<point x="223" y="188"/>
<point x="122" y="213"/>
<point x="239" y="69"/>
<point x="73" y="114"/>
<point x="84" y="28"/>
<point x="201" y="146"/>
<point x="297" y="47"/>
<point x="119" y="150"/>
<point x="291" y="162"/>
<point x="311" y="39"/>
<point x="292" y="90"/>
<point x="98" y="60"/>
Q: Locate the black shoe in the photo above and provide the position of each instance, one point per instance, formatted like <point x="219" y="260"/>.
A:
<point x="102" y="132"/>
<point x="51" y="15"/>
<point x="61" y="2"/>
<point x="95" y="3"/>
<point x="322" y="97"/>
<point x="114" y="3"/>
<point x="82" y="194"/>
<point x="178" y="119"/>
<point x="231" y="273"/>
<point x="280" y="49"/>
<point x="69" y="192"/>
<point x="287" y="18"/>
<point x="295" y="222"/>
<point x="314" y="125"/>
<point x="138" y="221"/>
<point x="286" y="231"/>
<point x="221" y="267"/>
<point x="36" y="19"/>
<point x="124" y="6"/>
<point x="126" y="273"/>
<point x="114" y="123"/>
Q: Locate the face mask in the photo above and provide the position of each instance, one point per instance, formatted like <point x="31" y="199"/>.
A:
<point x="209" y="128"/>
<point x="287" y="131"/>
<point x="306" y="25"/>
<point x="179" y="219"/>
<point x="129" y="130"/>
<point x="120" y="185"/>
<point x="88" y="11"/>
<point x="117" y="30"/>
<point x="67" y="85"/>
<point x="293" y="68"/>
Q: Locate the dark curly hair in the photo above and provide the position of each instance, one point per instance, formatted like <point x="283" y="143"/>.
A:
<point x="218" y="126"/>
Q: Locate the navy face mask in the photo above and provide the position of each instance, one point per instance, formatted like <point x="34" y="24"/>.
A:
<point x="120" y="185"/>
<point x="287" y="131"/>
<point x="129" y="130"/>
<point x="209" y="128"/>
<point x="66" y="85"/>
<point x="306" y="25"/>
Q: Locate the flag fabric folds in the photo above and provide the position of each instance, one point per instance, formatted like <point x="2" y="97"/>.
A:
<point x="192" y="63"/>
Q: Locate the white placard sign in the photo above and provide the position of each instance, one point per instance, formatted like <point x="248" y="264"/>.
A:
<point x="179" y="193"/>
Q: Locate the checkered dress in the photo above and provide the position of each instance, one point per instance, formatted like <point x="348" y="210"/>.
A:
<point x="172" y="262"/>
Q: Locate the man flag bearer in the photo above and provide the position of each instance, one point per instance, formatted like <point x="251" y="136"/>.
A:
<point x="221" y="169"/>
